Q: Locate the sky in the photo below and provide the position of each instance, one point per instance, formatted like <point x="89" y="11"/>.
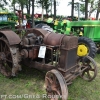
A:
<point x="62" y="9"/>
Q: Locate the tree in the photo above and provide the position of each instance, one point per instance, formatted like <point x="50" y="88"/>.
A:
<point x="92" y="8"/>
<point x="13" y="4"/>
<point x="84" y="8"/>
<point x="21" y="3"/>
<point x="72" y="9"/>
<point x="33" y="13"/>
<point x="28" y="5"/>
<point x="54" y="9"/>
<point x="3" y="3"/>
<point x="44" y="4"/>
<point x="98" y="10"/>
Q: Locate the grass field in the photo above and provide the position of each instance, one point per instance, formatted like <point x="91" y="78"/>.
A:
<point x="30" y="82"/>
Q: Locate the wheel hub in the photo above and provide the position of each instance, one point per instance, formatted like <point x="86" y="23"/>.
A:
<point x="82" y="50"/>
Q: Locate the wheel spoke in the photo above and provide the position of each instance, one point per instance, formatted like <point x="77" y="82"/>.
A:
<point x="57" y="91"/>
<point x="91" y="69"/>
<point x="83" y="73"/>
<point x="89" y="76"/>
<point x="54" y="79"/>
<point x="49" y="80"/>
<point x="4" y="48"/>
<point x="1" y="46"/>
<point x="8" y="60"/>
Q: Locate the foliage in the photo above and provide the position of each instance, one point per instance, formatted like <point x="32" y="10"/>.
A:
<point x="3" y="3"/>
<point x="93" y="6"/>
<point x="20" y="2"/>
<point x="45" y="4"/>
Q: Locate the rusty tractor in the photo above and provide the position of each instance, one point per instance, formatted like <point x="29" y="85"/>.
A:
<point x="43" y="50"/>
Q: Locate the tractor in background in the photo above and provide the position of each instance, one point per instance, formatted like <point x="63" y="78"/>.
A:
<point x="7" y="20"/>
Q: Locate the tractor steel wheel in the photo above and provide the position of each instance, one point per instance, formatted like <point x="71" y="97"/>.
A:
<point x="56" y="86"/>
<point x="6" y="62"/>
<point x="86" y="47"/>
<point x="88" y="68"/>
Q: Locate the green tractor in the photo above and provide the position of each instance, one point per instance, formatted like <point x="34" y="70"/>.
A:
<point x="7" y="20"/>
<point x="87" y="31"/>
<point x="89" y="35"/>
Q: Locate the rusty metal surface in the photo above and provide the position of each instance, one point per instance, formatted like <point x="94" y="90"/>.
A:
<point x="49" y="38"/>
<point x="69" y="42"/>
<point x="33" y="53"/>
<point x="5" y="69"/>
<point x="88" y="68"/>
<point x="24" y="53"/>
<point x="38" y="65"/>
<point x="11" y="36"/>
<point x="36" y="31"/>
<point x="55" y="85"/>
<point x="8" y="59"/>
<point x="53" y="39"/>
<point x="68" y="53"/>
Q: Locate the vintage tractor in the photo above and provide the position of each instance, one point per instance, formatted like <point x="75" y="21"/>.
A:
<point x="43" y="50"/>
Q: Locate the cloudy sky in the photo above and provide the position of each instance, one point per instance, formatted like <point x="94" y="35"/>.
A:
<point x="62" y="9"/>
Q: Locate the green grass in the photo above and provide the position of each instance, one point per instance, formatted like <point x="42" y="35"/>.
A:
<point x="31" y="82"/>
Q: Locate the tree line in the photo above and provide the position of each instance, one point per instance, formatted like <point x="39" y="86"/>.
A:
<point x="48" y="4"/>
<point x="93" y="4"/>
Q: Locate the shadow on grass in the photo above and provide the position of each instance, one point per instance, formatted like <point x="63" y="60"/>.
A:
<point x="28" y="73"/>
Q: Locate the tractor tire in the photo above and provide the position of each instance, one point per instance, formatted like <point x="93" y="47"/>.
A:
<point x="44" y="26"/>
<point x="87" y="47"/>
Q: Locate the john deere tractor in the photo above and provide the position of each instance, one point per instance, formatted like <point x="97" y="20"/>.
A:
<point x="7" y="20"/>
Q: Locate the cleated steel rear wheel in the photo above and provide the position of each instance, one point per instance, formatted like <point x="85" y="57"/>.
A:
<point x="7" y="58"/>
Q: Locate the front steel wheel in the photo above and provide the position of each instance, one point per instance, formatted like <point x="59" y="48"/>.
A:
<point x="88" y="68"/>
<point x="56" y="86"/>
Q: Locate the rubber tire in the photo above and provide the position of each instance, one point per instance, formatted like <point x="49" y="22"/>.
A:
<point x="91" y="45"/>
<point x="44" y="26"/>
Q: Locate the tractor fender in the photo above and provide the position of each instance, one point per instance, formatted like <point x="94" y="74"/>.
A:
<point x="11" y="36"/>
